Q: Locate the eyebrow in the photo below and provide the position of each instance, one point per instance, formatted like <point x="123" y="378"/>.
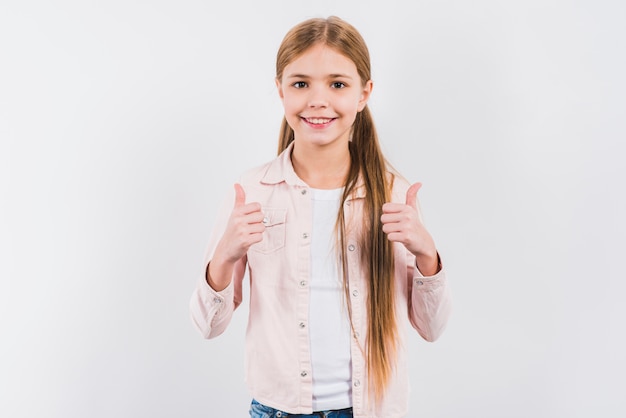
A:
<point x="329" y="76"/>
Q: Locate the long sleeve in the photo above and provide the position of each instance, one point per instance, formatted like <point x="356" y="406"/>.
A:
<point x="211" y="311"/>
<point x="429" y="301"/>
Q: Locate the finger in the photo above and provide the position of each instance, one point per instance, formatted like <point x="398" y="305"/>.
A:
<point x="392" y="227"/>
<point x="254" y="216"/>
<point x="411" y="195"/>
<point x="394" y="217"/>
<point x="248" y="208"/>
<point x="258" y="228"/>
<point x="240" y="195"/>
<point x="396" y="237"/>
<point x="256" y="237"/>
<point x="393" y="207"/>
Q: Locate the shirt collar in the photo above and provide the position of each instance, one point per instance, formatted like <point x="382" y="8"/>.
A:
<point x="281" y="170"/>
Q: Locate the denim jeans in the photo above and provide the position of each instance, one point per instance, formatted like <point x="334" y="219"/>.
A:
<point x="258" y="410"/>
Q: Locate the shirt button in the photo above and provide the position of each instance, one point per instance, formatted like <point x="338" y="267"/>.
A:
<point x="217" y="300"/>
<point x="357" y="383"/>
<point x="303" y="373"/>
<point x="303" y="191"/>
<point x="348" y="203"/>
<point x="303" y="283"/>
<point x="266" y="220"/>
<point x="355" y="293"/>
<point x="351" y="247"/>
<point x="302" y="325"/>
<point x="305" y="235"/>
<point x="419" y="282"/>
<point x="356" y="335"/>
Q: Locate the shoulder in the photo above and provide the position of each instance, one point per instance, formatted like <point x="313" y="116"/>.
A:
<point x="254" y="175"/>
<point x="274" y="172"/>
<point x="399" y="186"/>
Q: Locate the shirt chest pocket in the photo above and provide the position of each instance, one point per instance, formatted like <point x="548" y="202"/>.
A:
<point x="275" y="231"/>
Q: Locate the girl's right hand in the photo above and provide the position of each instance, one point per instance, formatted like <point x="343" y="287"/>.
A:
<point x="244" y="228"/>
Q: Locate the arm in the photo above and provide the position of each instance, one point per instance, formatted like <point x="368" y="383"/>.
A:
<point x="429" y="298"/>
<point x="212" y="310"/>
<point x="218" y="293"/>
<point x="429" y="301"/>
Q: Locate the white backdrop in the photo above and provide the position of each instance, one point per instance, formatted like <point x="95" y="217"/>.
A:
<point x="122" y="124"/>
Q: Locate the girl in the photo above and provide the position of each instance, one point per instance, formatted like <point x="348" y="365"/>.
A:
<point x="337" y="254"/>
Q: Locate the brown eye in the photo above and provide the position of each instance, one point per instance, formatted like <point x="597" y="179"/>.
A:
<point x="338" y="85"/>
<point x="299" y="84"/>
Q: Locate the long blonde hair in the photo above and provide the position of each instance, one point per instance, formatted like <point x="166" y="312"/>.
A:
<point x="367" y="163"/>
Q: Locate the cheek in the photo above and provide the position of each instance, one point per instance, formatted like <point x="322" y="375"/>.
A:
<point x="291" y="103"/>
<point x="287" y="107"/>
<point x="350" y="104"/>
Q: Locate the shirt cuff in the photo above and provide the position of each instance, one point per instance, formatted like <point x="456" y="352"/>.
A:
<point x="217" y="297"/>
<point x="418" y="273"/>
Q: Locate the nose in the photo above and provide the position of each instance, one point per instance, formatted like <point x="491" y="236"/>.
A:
<point x="318" y="98"/>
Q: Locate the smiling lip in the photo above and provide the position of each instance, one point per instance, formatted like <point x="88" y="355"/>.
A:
<point x="317" y="122"/>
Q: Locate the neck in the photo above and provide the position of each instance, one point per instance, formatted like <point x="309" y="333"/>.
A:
<point x="321" y="168"/>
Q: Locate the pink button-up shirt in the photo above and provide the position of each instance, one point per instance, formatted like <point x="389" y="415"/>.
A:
<point x="278" y="356"/>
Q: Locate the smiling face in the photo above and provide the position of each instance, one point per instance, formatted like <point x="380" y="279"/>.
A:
<point x="321" y="93"/>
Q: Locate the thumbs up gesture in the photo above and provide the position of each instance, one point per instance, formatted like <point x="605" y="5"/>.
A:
<point x="402" y="223"/>
<point x="244" y="228"/>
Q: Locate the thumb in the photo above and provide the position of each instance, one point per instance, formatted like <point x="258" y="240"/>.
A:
<point x="240" y="195"/>
<point x="411" y="195"/>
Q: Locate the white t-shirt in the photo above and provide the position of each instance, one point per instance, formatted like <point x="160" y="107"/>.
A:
<point x="329" y="325"/>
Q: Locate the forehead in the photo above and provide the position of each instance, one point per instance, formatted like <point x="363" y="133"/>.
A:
<point x="321" y="59"/>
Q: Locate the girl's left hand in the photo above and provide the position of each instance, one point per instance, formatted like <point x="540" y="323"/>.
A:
<point x="402" y="223"/>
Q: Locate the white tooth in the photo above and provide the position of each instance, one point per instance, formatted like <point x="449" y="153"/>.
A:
<point x="319" y="121"/>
